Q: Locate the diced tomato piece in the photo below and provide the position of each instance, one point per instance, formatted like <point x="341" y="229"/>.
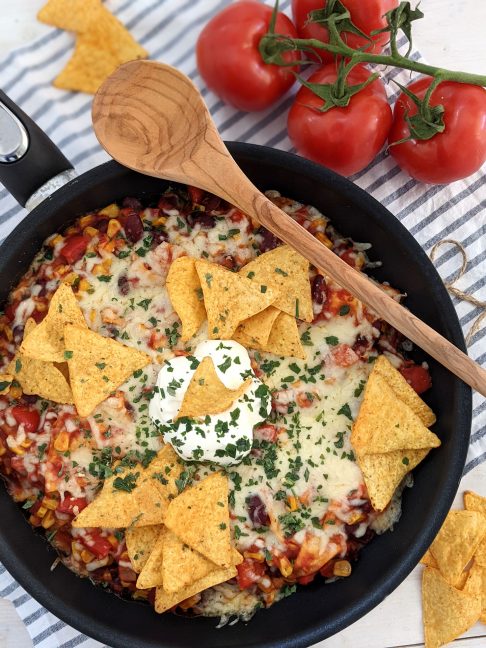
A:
<point x="305" y="580"/>
<point x="417" y="377"/>
<point x="97" y="544"/>
<point x="249" y="572"/>
<point x="68" y="503"/>
<point x="344" y="356"/>
<point x="27" y="417"/>
<point x="195" y="194"/>
<point x="267" y="432"/>
<point x="126" y="574"/>
<point x="74" y="247"/>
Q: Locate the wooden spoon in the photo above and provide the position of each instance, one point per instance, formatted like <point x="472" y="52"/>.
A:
<point x="151" y="118"/>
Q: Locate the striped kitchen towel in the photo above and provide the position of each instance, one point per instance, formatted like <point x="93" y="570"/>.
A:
<point x="168" y="29"/>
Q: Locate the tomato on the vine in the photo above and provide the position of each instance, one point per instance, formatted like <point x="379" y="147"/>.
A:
<point x="456" y="152"/>
<point x="345" y="139"/>
<point x="367" y="16"/>
<point x="230" y="62"/>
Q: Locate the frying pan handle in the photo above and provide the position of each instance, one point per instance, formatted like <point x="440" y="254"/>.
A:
<point x="28" y="158"/>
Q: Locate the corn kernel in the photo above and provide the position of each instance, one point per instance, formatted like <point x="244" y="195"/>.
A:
<point x="15" y="392"/>
<point x="86" y="556"/>
<point x="3" y="450"/>
<point x="26" y="444"/>
<point x="41" y="512"/>
<point x="112" y="540"/>
<point x="34" y="520"/>
<point x="109" y="246"/>
<point x="92" y="316"/>
<point x="323" y="239"/>
<point x="62" y="441"/>
<point x="254" y="555"/>
<point x="113" y="227"/>
<point x="41" y="306"/>
<point x="161" y="220"/>
<point x="355" y="517"/>
<point x="48" y="520"/>
<point x="50" y="503"/>
<point x="90" y="231"/>
<point x="56" y="240"/>
<point x="18" y="450"/>
<point x="292" y="503"/>
<point x="285" y="566"/>
<point x="84" y="221"/>
<point x="106" y="263"/>
<point x="110" y="210"/>
<point x="71" y="278"/>
<point x="84" y="285"/>
<point x="71" y="230"/>
<point x="98" y="269"/>
<point x="342" y="568"/>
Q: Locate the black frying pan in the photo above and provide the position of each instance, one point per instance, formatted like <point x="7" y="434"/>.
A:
<point x="318" y="610"/>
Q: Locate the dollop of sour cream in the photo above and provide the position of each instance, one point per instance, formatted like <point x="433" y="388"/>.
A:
<point x="225" y="438"/>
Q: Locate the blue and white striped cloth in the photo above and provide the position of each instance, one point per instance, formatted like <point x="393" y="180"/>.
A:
<point x="168" y="29"/>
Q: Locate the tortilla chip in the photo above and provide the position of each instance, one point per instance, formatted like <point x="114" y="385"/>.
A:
<point x="144" y="505"/>
<point x="97" y="366"/>
<point x="284" y="339"/>
<point x="384" y="472"/>
<point x="185" y="294"/>
<point x="447" y="612"/>
<point x="71" y="15"/>
<point x="229" y="298"/>
<point x="6" y="380"/>
<point x="386" y="424"/>
<point x="165" y="600"/>
<point x="287" y="272"/>
<point x="428" y="560"/>
<point x="199" y="516"/>
<point x="255" y="331"/>
<point x="474" y="502"/>
<point x="46" y="340"/>
<point x="140" y="543"/>
<point x="206" y="394"/>
<point x="403" y="390"/>
<point x="476" y="583"/>
<point x="151" y="574"/>
<point x="181" y="565"/>
<point x="457" y="541"/>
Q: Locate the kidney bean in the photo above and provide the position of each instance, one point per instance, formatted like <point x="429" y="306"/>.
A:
<point x="18" y="332"/>
<point x="102" y="225"/>
<point x="205" y="220"/>
<point x="123" y="284"/>
<point x="133" y="226"/>
<point x="268" y="240"/>
<point x="132" y="203"/>
<point x="159" y="236"/>
<point x="319" y="289"/>
<point x="213" y="203"/>
<point x="361" y="345"/>
<point x="257" y="511"/>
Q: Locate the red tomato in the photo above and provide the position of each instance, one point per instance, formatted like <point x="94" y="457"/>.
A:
<point x="97" y="544"/>
<point x="453" y="154"/>
<point x="27" y="417"/>
<point x="74" y="247"/>
<point x="249" y="572"/>
<point x="343" y="139"/>
<point x="417" y="376"/>
<point x="367" y="15"/>
<point x="344" y="356"/>
<point x="230" y="63"/>
<point x="195" y="194"/>
<point x="68" y="503"/>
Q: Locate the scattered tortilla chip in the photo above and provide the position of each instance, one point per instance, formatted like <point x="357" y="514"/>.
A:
<point x="151" y="574"/>
<point x="403" y="390"/>
<point x="230" y="298"/>
<point x="199" y="516"/>
<point x="447" y="612"/>
<point x="386" y="424"/>
<point x="474" y="502"/>
<point x="255" y="331"/>
<point x="476" y="583"/>
<point x="39" y="378"/>
<point x="284" y="338"/>
<point x="384" y="472"/>
<point x="144" y="505"/>
<point x="181" y="565"/>
<point x="46" y="340"/>
<point x="428" y="560"/>
<point x="97" y="366"/>
<point x="185" y="294"/>
<point x="71" y="15"/>
<point x="165" y="600"/>
<point x="206" y="394"/>
<point x="140" y="543"/>
<point x="6" y="380"/>
<point x="456" y="542"/>
<point x="287" y="272"/>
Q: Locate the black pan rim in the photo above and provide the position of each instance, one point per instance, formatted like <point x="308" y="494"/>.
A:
<point x="384" y="585"/>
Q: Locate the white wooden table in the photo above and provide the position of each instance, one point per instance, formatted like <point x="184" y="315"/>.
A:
<point x="452" y="35"/>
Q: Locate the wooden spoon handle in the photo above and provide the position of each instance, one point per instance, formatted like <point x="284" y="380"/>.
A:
<point x="357" y="283"/>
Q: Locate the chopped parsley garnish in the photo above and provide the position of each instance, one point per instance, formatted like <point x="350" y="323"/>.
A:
<point x="344" y="310"/>
<point x="263" y="289"/>
<point x="105" y="278"/>
<point x="405" y="461"/>
<point x="281" y="272"/>
<point x="359" y="389"/>
<point x="291" y="523"/>
<point x="346" y="411"/>
<point x="145" y="303"/>
<point x="126" y="483"/>
<point x="297" y="308"/>
<point x="250" y="275"/>
<point x="102" y="365"/>
<point x="332" y="340"/>
<point x="18" y="365"/>
<point x="305" y="338"/>
<point x="173" y="334"/>
<point x="224" y="366"/>
<point x="209" y="278"/>
<point x="68" y="355"/>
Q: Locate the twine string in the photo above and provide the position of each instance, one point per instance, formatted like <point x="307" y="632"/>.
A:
<point x="457" y="292"/>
